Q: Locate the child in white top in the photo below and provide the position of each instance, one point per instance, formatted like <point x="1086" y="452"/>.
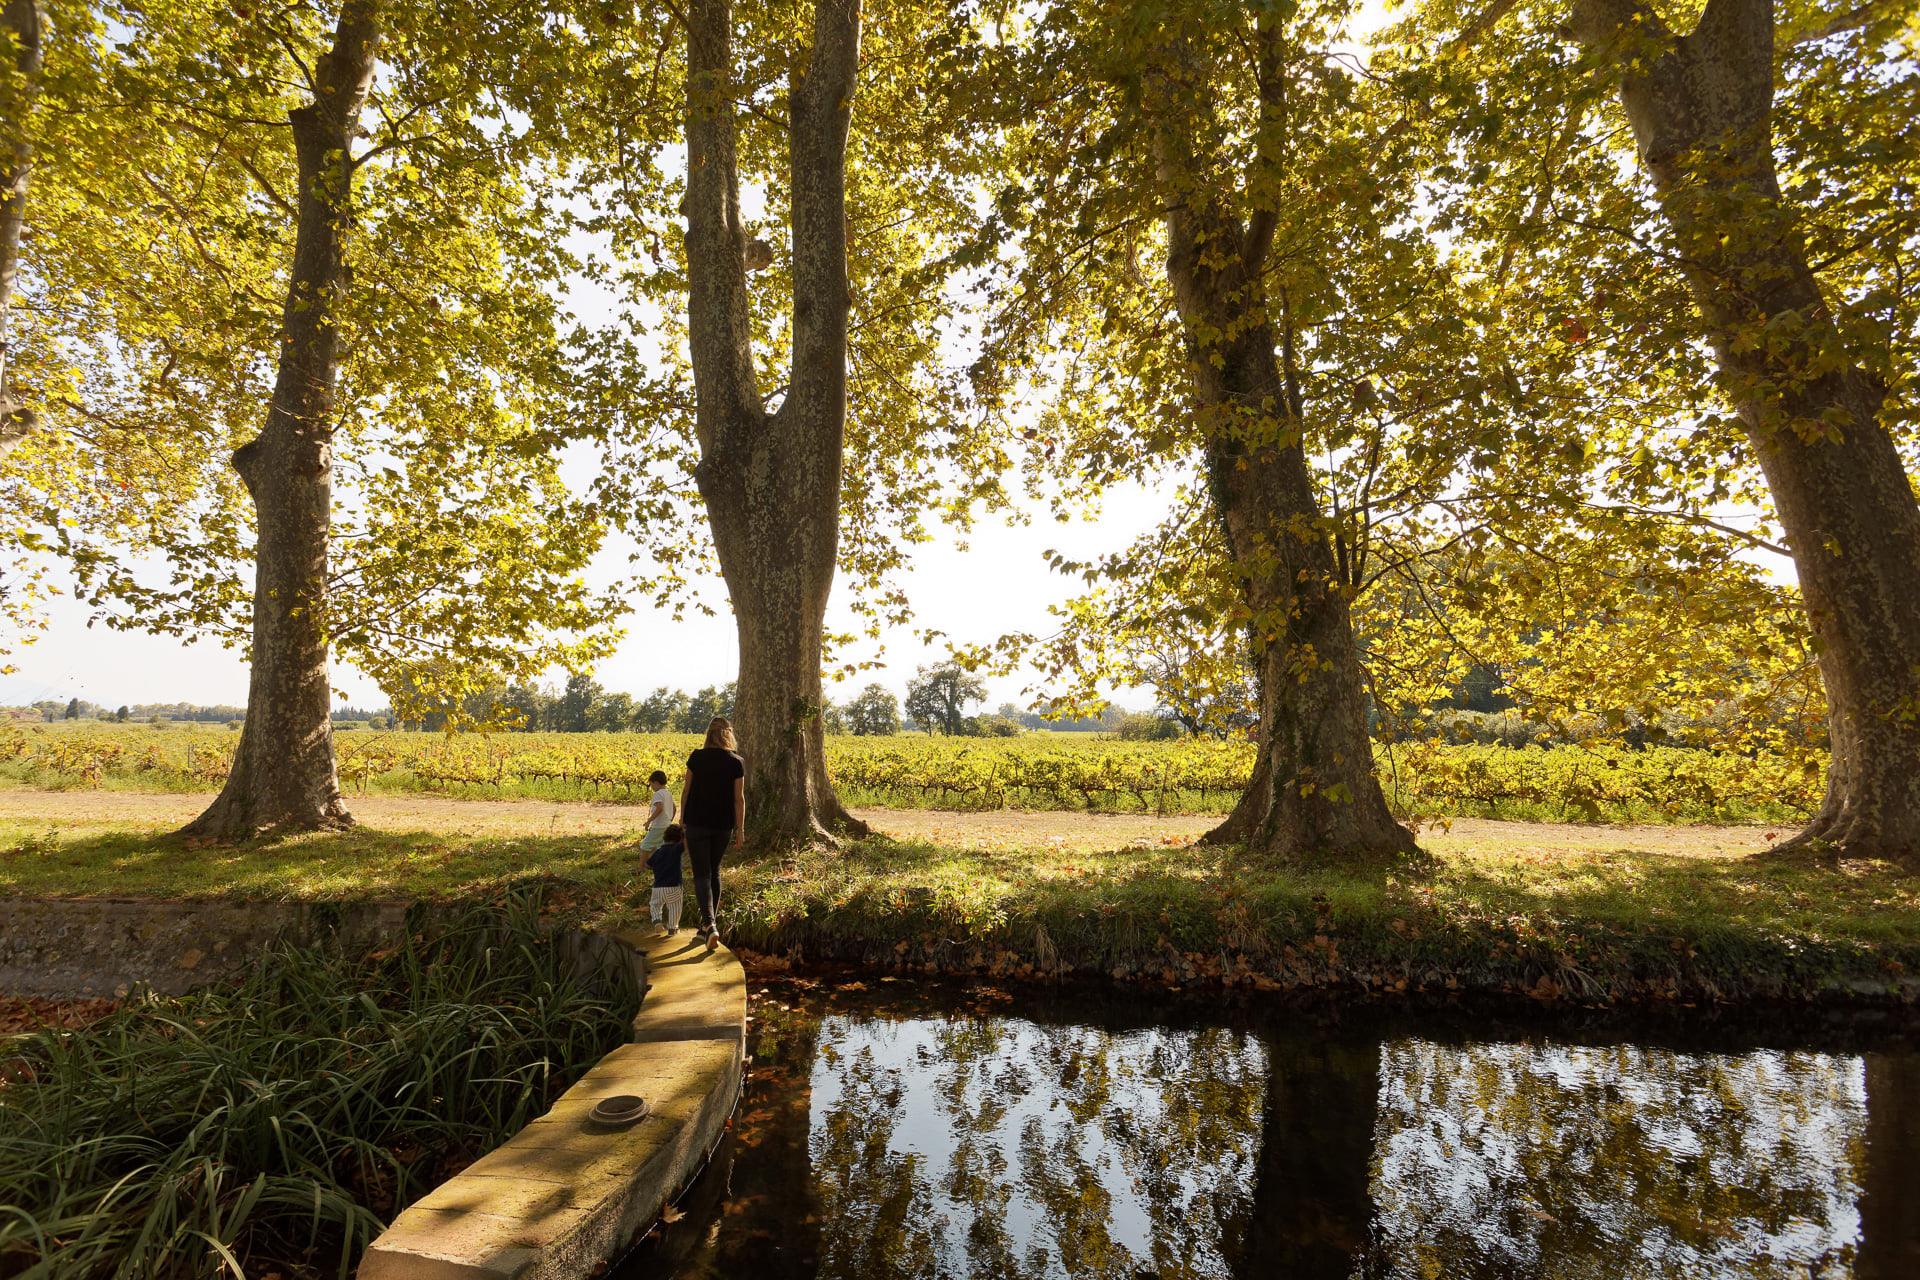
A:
<point x="659" y="815"/>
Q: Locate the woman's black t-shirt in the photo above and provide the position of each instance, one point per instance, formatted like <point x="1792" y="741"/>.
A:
<point x="710" y="797"/>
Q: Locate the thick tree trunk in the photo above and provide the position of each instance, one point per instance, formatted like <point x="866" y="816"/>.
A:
<point x="1256" y="802"/>
<point x="1701" y="108"/>
<point x="283" y="776"/>
<point x="778" y="573"/>
<point x="771" y="481"/>
<point x="1313" y="792"/>
<point x="20" y="23"/>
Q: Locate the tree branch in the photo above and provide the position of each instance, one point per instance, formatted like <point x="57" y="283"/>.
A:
<point x="1738" y="33"/>
<point x="1270" y="76"/>
<point x="392" y="144"/>
<point x="822" y="110"/>
<point x="1840" y="23"/>
<point x="1482" y="23"/>
<point x="1597" y="24"/>
<point x="718" y="330"/>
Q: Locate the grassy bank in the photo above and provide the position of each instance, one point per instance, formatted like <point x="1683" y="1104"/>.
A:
<point x="275" y="1125"/>
<point x="1486" y="918"/>
<point x="1563" y="912"/>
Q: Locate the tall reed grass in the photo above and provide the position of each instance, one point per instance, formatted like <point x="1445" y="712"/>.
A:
<point x="276" y="1125"/>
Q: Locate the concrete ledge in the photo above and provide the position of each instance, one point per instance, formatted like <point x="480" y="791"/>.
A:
<point x="689" y="996"/>
<point x="565" y="1195"/>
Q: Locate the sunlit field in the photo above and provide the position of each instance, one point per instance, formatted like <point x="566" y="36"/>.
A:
<point x="1036" y="771"/>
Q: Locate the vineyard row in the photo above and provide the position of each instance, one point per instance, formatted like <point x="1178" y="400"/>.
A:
<point x="1593" y="782"/>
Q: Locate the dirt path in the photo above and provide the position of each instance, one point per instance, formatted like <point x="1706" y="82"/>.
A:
<point x="1009" y="828"/>
<point x="387" y="813"/>
<point x="1001" y="829"/>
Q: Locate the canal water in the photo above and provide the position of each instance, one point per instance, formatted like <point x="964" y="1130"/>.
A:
<point x="890" y="1131"/>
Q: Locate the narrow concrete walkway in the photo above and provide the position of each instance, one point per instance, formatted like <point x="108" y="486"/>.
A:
<point x="564" y="1195"/>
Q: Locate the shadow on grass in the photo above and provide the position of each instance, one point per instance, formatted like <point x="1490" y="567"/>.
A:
<point x="883" y="897"/>
<point x="348" y="864"/>
<point x="1754" y="897"/>
<point x="1603" y="926"/>
<point x="1597" y="924"/>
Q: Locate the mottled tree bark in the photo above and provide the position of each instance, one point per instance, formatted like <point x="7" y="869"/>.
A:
<point x="20" y="25"/>
<point x="771" y="481"/>
<point x="1701" y="109"/>
<point x="1313" y="791"/>
<point x="283" y="777"/>
<point x="1256" y="802"/>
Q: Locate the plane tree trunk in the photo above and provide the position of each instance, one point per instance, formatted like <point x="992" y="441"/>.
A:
<point x="1251" y="809"/>
<point x="1701" y="110"/>
<point x="1313" y="790"/>
<point x="20" y="24"/>
<point x="771" y="480"/>
<point x="283" y="777"/>
<point x="1313" y="793"/>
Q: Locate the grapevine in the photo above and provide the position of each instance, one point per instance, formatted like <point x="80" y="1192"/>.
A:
<point x="1590" y="782"/>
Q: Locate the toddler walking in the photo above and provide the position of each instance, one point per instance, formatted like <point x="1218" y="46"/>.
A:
<point x="659" y="813"/>
<point x="664" y="906"/>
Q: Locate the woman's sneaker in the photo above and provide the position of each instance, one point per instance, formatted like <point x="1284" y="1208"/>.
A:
<point x="713" y="939"/>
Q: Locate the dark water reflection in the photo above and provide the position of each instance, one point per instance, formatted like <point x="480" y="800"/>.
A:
<point x="975" y="1136"/>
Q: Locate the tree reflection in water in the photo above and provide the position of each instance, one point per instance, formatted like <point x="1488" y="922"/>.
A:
<point x="1003" y="1147"/>
<point x="885" y="1141"/>
<point x="1890" y="1209"/>
<point x="1573" y="1160"/>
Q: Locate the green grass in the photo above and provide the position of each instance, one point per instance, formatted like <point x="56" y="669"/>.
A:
<point x="52" y="859"/>
<point x="276" y="1124"/>
<point x="1605" y="928"/>
<point x="1516" y="911"/>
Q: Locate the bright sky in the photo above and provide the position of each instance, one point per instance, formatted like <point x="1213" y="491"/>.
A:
<point x="997" y="582"/>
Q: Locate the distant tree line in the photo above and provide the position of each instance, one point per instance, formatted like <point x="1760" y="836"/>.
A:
<point x="52" y="710"/>
<point x="938" y="701"/>
<point x="582" y="705"/>
<point x="938" y="697"/>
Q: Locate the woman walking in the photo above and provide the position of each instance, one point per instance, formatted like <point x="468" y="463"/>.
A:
<point x="713" y="809"/>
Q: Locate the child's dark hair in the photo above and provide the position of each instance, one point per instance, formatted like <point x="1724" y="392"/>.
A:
<point x="657" y="778"/>
<point x="673" y="834"/>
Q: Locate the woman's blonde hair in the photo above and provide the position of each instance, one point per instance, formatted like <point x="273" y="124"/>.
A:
<point x="720" y="733"/>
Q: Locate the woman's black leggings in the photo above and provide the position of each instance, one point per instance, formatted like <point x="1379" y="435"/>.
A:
<point x="706" y="846"/>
